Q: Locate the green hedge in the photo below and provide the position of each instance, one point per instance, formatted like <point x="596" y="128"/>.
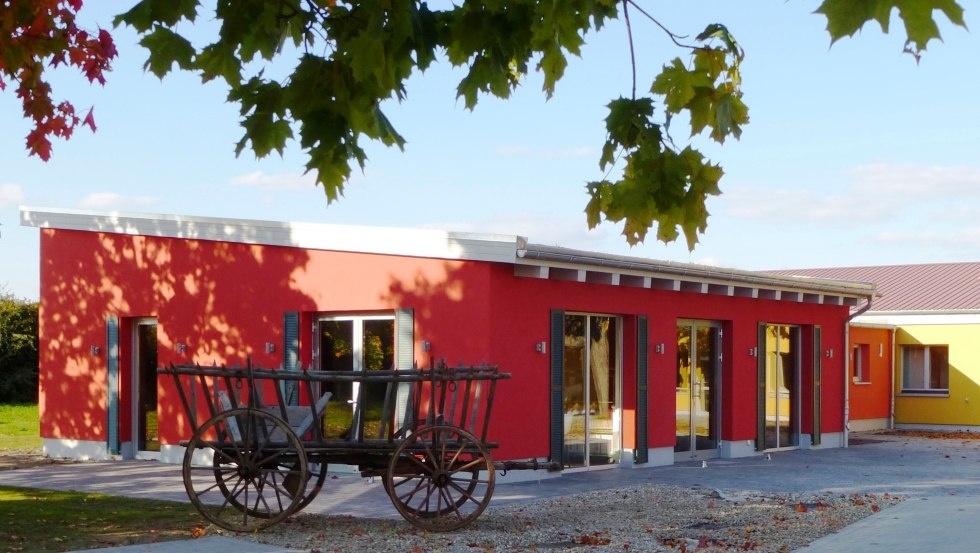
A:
<point x="18" y="350"/>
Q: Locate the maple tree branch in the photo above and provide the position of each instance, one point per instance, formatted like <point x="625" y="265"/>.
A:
<point x="629" y="34"/>
<point x="673" y="36"/>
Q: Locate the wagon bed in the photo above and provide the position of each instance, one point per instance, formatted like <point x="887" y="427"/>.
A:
<point x="259" y="450"/>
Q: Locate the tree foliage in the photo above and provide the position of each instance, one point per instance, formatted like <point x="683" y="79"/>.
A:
<point x="347" y="59"/>
<point x="35" y="35"/>
<point x="18" y="350"/>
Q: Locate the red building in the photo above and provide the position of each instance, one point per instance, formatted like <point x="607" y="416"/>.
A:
<point x="615" y="360"/>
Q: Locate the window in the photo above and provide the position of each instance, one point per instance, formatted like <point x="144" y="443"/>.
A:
<point x="861" y="361"/>
<point x="355" y="343"/>
<point x="925" y="369"/>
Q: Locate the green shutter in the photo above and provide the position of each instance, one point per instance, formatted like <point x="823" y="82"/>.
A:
<point x="760" y="358"/>
<point x="290" y="355"/>
<point x="642" y="395"/>
<point x="404" y="358"/>
<point x="817" y="376"/>
<point x="557" y="438"/>
<point x="112" y="385"/>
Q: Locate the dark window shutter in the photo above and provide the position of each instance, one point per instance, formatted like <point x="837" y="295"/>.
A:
<point x="817" y="376"/>
<point x="642" y="394"/>
<point x="290" y="355"/>
<point x="760" y="438"/>
<point x="557" y="438"/>
<point x="112" y="385"/>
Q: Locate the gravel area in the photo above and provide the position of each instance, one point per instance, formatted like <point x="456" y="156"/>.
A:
<point x="653" y="518"/>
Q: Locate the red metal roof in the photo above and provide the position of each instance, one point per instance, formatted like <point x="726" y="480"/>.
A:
<point x="928" y="287"/>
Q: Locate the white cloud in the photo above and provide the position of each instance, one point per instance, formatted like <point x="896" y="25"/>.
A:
<point x="937" y="240"/>
<point x="11" y="195"/>
<point x="915" y="181"/>
<point x="279" y="182"/>
<point x="111" y="200"/>
<point x="878" y="193"/>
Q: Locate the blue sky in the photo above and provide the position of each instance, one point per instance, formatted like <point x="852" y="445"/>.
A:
<point x="854" y="154"/>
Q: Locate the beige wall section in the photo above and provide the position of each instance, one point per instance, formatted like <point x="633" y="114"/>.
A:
<point x="961" y="406"/>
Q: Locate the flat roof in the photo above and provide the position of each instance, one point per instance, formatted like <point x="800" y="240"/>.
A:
<point x="529" y="260"/>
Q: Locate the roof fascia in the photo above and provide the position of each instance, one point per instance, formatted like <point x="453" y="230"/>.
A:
<point x="564" y="258"/>
<point x="315" y="236"/>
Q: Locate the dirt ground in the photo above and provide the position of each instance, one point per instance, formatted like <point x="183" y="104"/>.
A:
<point x="11" y="459"/>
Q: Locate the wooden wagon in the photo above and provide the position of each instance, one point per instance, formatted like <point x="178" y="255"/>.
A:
<point x="261" y="444"/>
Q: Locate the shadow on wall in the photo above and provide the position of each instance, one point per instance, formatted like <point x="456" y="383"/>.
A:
<point x="221" y="301"/>
<point x="456" y="313"/>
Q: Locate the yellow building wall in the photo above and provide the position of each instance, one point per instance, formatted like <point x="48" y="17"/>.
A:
<point x="962" y="406"/>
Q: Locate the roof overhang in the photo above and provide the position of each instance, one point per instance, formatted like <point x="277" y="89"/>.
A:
<point x="316" y="236"/>
<point x="557" y="263"/>
<point x="529" y="260"/>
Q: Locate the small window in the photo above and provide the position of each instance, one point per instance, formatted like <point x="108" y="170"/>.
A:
<point x="925" y="369"/>
<point x="861" y="361"/>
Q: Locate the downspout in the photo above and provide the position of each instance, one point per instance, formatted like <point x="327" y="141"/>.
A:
<point x="891" y="380"/>
<point x="846" y="354"/>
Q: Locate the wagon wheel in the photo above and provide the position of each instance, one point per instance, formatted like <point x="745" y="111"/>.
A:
<point x="440" y="478"/>
<point x="314" y="482"/>
<point x="258" y="465"/>
<point x="292" y="481"/>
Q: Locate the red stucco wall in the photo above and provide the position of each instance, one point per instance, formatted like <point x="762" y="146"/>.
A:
<point x="225" y="301"/>
<point x="872" y="399"/>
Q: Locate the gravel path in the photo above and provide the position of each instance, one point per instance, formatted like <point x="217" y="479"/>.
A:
<point x="649" y="517"/>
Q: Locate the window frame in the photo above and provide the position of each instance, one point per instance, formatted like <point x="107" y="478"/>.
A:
<point x="861" y="363"/>
<point x="927" y="370"/>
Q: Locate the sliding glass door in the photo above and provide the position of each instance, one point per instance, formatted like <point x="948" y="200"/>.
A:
<point x="591" y="391"/>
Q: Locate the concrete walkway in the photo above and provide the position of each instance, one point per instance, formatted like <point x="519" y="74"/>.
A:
<point x="939" y="478"/>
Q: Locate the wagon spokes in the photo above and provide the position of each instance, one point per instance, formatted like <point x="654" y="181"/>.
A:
<point x="244" y="485"/>
<point x="440" y="468"/>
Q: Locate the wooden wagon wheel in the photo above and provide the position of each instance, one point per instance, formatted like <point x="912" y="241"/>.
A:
<point x="440" y="478"/>
<point x="257" y="468"/>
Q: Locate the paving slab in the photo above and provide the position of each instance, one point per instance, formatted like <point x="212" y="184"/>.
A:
<point x="939" y="477"/>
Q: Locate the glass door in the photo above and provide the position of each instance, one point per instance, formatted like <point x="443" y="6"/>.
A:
<point x="354" y="344"/>
<point x="145" y="384"/>
<point x="697" y="394"/>
<point x="591" y="376"/>
<point x="782" y="424"/>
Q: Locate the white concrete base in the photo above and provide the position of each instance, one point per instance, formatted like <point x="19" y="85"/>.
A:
<point x="828" y="440"/>
<point x="939" y="427"/>
<point x="174" y="454"/>
<point x="79" y="450"/>
<point x="865" y="425"/>
<point x="732" y="449"/>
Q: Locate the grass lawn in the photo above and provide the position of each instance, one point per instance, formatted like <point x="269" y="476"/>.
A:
<point x="46" y="520"/>
<point x="19" y="427"/>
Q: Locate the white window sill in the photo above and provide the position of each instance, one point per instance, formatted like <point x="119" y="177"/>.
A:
<point x="942" y="394"/>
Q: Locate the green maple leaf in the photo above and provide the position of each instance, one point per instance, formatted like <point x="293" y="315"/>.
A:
<point x="367" y="56"/>
<point x="676" y="84"/>
<point x="166" y="48"/>
<point x="145" y="14"/>
<point x="847" y="17"/>
<point x="219" y="60"/>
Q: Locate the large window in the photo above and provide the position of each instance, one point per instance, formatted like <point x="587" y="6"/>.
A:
<point x="355" y="343"/>
<point x="925" y="369"/>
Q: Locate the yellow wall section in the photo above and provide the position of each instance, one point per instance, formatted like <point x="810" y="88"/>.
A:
<point x="962" y="406"/>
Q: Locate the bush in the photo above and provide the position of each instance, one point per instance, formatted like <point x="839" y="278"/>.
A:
<point x="18" y="350"/>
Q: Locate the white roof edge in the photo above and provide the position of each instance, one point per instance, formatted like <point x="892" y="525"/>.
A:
<point x="537" y="253"/>
<point x="909" y="318"/>
<point x="317" y="236"/>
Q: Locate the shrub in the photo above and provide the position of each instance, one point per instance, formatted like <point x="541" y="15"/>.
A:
<point x="18" y="350"/>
